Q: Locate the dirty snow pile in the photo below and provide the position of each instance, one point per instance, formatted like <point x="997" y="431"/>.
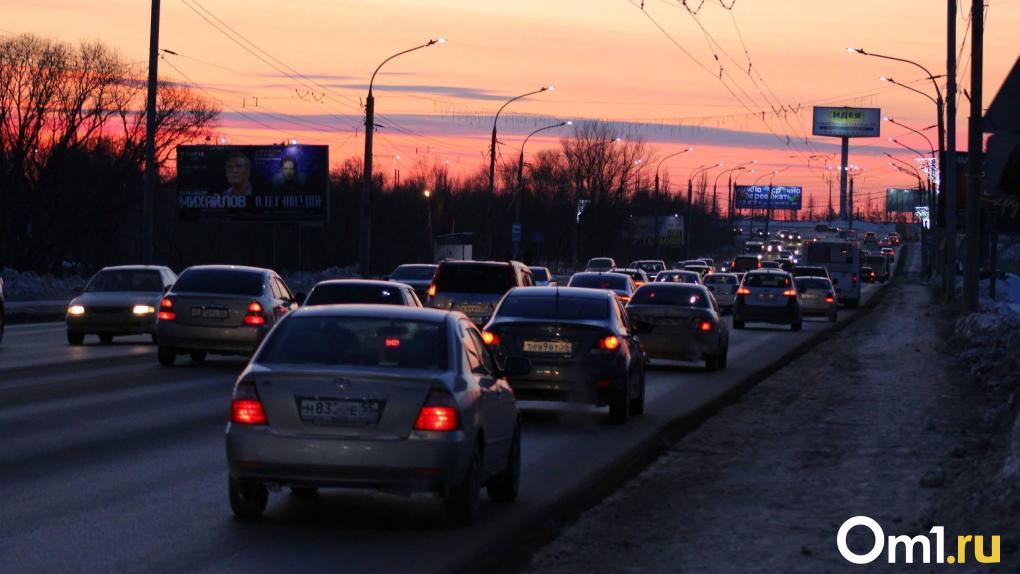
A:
<point x="991" y="342"/>
<point x="304" y="280"/>
<point x="30" y="286"/>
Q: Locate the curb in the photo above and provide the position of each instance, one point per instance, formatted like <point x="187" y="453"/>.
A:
<point x="520" y="541"/>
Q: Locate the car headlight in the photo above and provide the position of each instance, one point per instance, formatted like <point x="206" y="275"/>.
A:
<point x="143" y="310"/>
<point x="76" y="310"/>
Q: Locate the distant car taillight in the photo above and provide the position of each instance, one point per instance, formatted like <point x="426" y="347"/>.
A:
<point x="432" y="290"/>
<point x="743" y="291"/>
<point x="610" y="343"/>
<point x="853" y="279"/>
<point x="245" y="407"/>
<point x="254" y="315"/>
<point x="701" y="325"/>
<point x="166" y="310"/>
<point x="830" y="298"/>
<point x="790" y="293"/>
<point x="439" y="413"/>
<point x="490" y="339"/>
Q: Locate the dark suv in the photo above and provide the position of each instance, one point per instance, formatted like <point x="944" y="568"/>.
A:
<point x="475" y="287"/>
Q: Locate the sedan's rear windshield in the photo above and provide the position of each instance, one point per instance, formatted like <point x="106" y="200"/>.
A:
<point x="809" y="272"/>
<point x="677" y="277"/>
<point x="813" y="283"/>
<point x="600" y="262"/>
<point x="720" y="280"/>
<point x="563" y="308"/>
<point x="540" y="273"/>
<point x="650" y="266"/>
<point x="766" y="280"/>
<point x="413" y="273"/>
<point x="126" y="280"/>
<point x="357" y="342"/>
<point x="475" y="278"/>
<point x="675" y="294"/>
<point x="224" y="281"/>
<point x="342" y="293"/>
<point x="599" y="281"/>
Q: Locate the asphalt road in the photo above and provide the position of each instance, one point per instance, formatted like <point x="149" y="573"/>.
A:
<point x="112" y="463"/>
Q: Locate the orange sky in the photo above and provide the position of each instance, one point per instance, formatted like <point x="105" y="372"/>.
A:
<point x="607" y="59"/>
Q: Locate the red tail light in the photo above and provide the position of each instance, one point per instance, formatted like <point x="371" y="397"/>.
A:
<point x="166" y="310"/>
<point x="790" y="292"/>
<point x="432" y="290"/>
<point x="490" y="339"/>
<point x="743" y="291"/>
<point x="610" y="343"/>
<point x="439" y="413"/>
<point x="705" y="326"/>
<point x="254" y="315"/>
<point x="759" y="262"/>
<point x="638" y="283"/>
<point x="853" y="278"/>
<point x="246" y="408"/>
<point x="829" y="298"/>
<point x="625" y="298"/>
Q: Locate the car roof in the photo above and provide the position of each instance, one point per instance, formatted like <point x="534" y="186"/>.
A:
<point x="582" y="292"/>
<point x="226" y="268"/>
<point x="366" y="282"/>
<point x="418" y="265"/>
<point x="600" y="273"/>
<point x="768" y="271"/>
<point x="134" y="267"/>
<point x="367" y="310"/>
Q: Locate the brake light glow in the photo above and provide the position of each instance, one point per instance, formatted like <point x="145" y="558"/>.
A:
<point x="439" y="413"/>
<point x="166" y="310"/>
<point x="254" y="315"/>
<point x="432" y="290"/>
<point x="490" y="338"/>
<point x="743" y="291"/>
<point x="790" y="292"/>
<point x="625" y="298"/>
<point x="392" y="343"/>
<point x="610" y="343"/>
<point x="853" y="278"/>
<point x="829" y="298"/>
<point x="247" y="412"/>
<point x="705" y="326"/>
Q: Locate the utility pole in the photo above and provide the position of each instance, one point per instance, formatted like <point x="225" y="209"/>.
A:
<point x="974" y="157"/>
<point x="947" y="163"/>
<point x="850" y="204"/>
<point x="365" y="231"/>
<point x="844" y="156"/>
<point x="149" y="184"/>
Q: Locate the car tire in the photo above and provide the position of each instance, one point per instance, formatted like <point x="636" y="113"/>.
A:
<point x="462" y="500"/>
<point x="167" y="355"/>
<point x="198" y="356"/>
<point x="796" y="325"/>
<point x="724" y="356"/>
<point x="75" y="337"/>
<point x="619" y="405"/>
<point x="711" y="363"/>
<point x="2" y="324"/>
<point x="105" y="339"/>
<point x="248" y="498"/>
<point x="833" y="317"/>
<point x="155" y="339"/>
<point x="637" y="404"/>
<point x="738" y="323"/>
<point x="504" y="486"/>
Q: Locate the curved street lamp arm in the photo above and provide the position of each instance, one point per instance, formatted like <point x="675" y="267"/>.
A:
<point x="915" y="90"/>
<point x="657" y="166"/>
<point x="512" y="100"/>
<point x="911" y="62"/>
<point x="542" y="129"/>
<point x="425" y="45"/>
<point x="926" y="138"/>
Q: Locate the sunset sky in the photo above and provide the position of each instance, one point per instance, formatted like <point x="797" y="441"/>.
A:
<point x="307" y="66"/>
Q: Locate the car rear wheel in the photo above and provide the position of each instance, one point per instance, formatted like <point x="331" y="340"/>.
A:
<point x="738" y="323"/>
<point x="155" y="339"/>
<point x="637" y="404"/>
<point x="198" y="356"/>
<point x="75" y="337"/>
<point x="619" y="406"/>
<point x="105" y="339"/>
<point x="796" y="326"/>
<point x="711" y="362"/>
<point x="167" y="355"/>
<point x="724" y="355"/>
<point x="833" y="317"/>
<point x="462" y="501"/>
<point x="248" y="498"/>
<point x="504" y="486"/>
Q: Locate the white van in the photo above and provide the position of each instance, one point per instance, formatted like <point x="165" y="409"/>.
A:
<point x="842" y="259"/>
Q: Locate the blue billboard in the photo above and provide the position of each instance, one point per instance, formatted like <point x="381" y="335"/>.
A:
<point x="758" y="197"/>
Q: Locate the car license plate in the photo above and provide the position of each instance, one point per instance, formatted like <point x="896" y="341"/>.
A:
<point x="809" y="296"/>
<point x="562" y="347"/>
<point x="472" y="309"/>
<point x="766" y="296"/>
<point x="209" y="312"/>
<point x="339" y="412"/>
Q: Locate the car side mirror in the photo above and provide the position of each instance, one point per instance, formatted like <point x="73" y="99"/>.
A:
<point x="300" y="298"/>
<point x="516" y="367"/>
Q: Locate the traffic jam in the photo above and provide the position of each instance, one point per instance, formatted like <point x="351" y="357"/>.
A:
<point x="420" y="381"/>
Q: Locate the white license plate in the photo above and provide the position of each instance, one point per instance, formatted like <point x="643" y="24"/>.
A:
<point x="809" y="296"/>
<point x="207" y="313"/>
<point x="766" y="297"/>
<point x="472" y="309"/>
<point x="334" y="411"/>
<point x="562" y="347"/>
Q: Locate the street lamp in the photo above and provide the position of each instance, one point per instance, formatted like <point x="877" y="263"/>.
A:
<point x="492" y="166"/>
<point x="687" y="214"/>
<point x="365" y="241"/>
<point x="658" y="205"/>
<point x="520" y="180"/>
<point x="729" y="188"/>
<point x="906" y="147"/>
<point x="428" y="211"/>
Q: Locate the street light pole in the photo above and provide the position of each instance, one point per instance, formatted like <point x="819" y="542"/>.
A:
<point x="520" y="181"/>
<point x="492" y="168"/>
<point x="428" y="221"/>
<point x="658" y="202"/>
<point x="149" y="183"/>
<point x="365" y="239"/>
<point x="687" y="214"/>
<point x="733" y="203"/>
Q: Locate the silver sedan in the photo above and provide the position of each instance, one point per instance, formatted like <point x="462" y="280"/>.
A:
<point x="376" y="397"/>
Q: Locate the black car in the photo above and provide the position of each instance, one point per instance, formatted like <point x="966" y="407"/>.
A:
<point x="361" y="291"/>
<point x="580" y="344"/>
<point x="767" y="296"/>
<point x="417" y="275"/>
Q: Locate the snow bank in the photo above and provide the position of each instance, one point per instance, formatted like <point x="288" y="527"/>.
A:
<point x="30" y="286"/>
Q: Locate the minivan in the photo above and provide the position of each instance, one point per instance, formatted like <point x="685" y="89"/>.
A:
<point x="475" y="287"/>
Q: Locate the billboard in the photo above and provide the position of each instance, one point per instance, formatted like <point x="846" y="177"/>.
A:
<point x="846" y="122"/>
<point x="899" y="200"/>
<point x="253" y="183"/>
<point x="757" y="197"/>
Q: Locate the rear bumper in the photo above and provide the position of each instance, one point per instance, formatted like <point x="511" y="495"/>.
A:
<point x="422" y="462"/>
<point x="572" y="382"/>
<point x="233" y="340"/>
<point x="759" y="313"/>
<point x="814" y="308"/>
<point x="678" y="344"/>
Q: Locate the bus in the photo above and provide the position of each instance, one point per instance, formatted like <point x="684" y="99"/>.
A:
<point x="842" y="259"/>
